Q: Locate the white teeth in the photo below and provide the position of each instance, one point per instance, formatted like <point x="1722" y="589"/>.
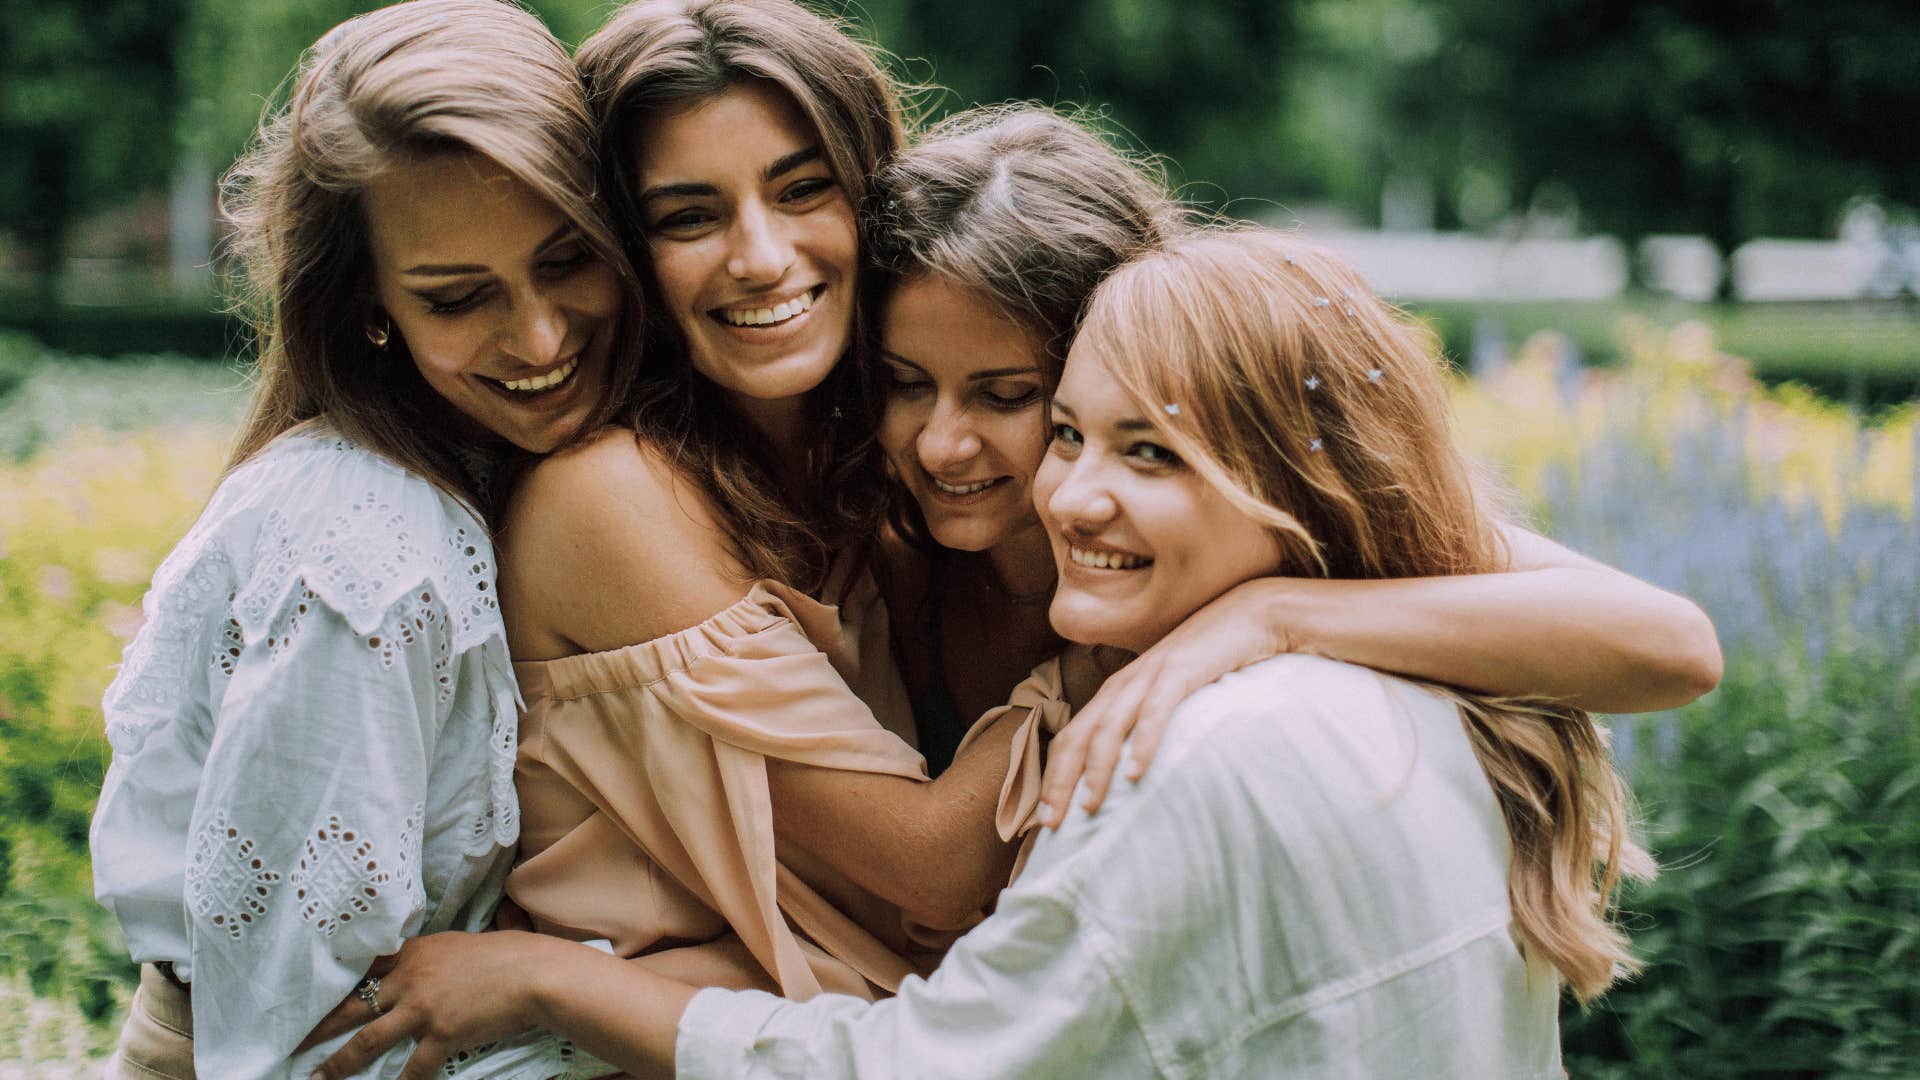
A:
<point x="541" y="382"/>
<point x="963" y="489"/>
<point x="1107" y="560"/>
<point x="767" y="316"/>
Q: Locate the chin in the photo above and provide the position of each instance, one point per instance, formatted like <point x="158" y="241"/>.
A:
<point x="775" y="380"/>
<point x="963" y="537"/>
<point x="1079" y="621"/>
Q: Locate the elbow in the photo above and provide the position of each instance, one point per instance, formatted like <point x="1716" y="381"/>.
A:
<point x="935" y="916"/>
<point x="955" y="887"/>
<point x="944" y="902"/>
<point x="1692" y="660"/>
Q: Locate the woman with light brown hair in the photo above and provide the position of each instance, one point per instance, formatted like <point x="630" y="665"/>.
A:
<point x="313" y="733"/>
<point x="1330" y="871"/>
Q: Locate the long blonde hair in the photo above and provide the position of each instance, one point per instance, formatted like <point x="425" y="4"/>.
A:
<point x="653" y="58"/>
<point x="391" y="86"/>
<point x="1304" y="400"/>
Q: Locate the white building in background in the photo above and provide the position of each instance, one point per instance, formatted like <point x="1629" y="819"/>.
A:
<point x="1870" y="259"/>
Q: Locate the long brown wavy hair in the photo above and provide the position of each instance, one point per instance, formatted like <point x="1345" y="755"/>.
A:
<point x="415" y="79"/>
<point x="1027" y="207"/>
<point x="659" y="56"/>
<point x="1308" y="403"/>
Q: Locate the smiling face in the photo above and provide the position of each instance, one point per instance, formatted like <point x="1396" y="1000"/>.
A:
<point x="752" y="240"/>
<point x="511" y="323"/>
<point x="965" y="424"/>
<point x="1140" y="539"/>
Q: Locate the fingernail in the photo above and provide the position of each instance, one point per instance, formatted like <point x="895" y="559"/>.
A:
<point x="1046" y="812"/>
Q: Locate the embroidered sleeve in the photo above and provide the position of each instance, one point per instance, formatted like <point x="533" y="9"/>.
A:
<point x="305" y="844"/>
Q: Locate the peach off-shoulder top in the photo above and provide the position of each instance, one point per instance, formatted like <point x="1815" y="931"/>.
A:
<point x="645" y="814"/>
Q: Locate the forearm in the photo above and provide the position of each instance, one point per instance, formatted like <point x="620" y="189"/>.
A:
<point x="615" y="1009"/>
<point x="1592" y="638"/>
<point x="930" y="848"/>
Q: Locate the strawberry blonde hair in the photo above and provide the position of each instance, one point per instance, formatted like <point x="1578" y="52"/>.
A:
<point x="1270" y="367"/>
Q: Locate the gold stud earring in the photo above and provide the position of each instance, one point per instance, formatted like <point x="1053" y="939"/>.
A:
<point x="379" y="335"/>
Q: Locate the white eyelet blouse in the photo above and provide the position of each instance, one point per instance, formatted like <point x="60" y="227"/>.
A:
<point x="313" y="745"/>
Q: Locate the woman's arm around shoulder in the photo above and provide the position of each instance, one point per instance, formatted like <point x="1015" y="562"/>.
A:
<point x="1555" y="625"/>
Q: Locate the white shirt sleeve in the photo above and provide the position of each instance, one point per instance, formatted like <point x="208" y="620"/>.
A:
<point x="305" y="845"/>
<point x="1029" y="992"/>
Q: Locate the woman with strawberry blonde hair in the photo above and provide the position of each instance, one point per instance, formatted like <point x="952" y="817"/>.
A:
<point x="1330" y="871"/>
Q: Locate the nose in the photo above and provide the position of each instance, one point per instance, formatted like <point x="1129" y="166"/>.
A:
<point x="947" y="439"/>
<point x="760" y="251"/>
<point x="1082" y="502"/>
<point x="539" y="331"/>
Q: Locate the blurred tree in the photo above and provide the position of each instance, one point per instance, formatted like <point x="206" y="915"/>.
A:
<point x="1201" y="82"/>
<point x="87" y="98"/>
<point x="236" y="57"/>
<point x="1672" y="115"/>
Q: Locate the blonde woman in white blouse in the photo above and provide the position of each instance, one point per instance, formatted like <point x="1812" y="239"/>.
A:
<point x="313" y="734"/>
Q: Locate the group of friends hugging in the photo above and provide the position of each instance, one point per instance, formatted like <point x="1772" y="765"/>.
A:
<point x="717" y="583"/>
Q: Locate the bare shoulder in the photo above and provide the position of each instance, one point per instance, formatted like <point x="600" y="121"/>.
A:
<point x="607" y="544"/>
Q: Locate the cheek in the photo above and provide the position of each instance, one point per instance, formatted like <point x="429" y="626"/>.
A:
<point x="1026" y="443"/>
<point x="835" y="236"/>
<point x="441" y="350"/>
<point x="676" y="274"/>
<point x="900" y="424"/>
<point x="1046" y="480"/>
<point x="595" y="292"/>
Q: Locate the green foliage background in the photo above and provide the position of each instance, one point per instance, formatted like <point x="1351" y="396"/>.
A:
<point x="1783" y="939"/>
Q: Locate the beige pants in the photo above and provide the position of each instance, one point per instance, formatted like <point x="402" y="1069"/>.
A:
<point x="157" y="1041"/>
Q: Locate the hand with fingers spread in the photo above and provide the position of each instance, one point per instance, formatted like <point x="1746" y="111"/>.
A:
<point x="445" y="991"/>
<point x="1139" y="698"/>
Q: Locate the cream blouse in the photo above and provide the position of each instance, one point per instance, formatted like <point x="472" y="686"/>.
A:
<point x="646" y="818"/>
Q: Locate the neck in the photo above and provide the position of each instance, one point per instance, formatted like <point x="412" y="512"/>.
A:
<point x="1024" y="563"/>
<point x="782" y="422"/>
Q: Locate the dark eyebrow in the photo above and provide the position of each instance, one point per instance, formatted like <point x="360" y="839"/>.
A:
<point x="696" y="189"/>
<point x="673" y="191"/>
<point x="787" y="164"/>
<point x="453" y="270"/>
<point x="889" y="354"/>
<point x="1003" y="373"/>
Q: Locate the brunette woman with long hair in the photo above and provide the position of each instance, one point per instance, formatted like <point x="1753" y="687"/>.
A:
<point x="716" y="765"/>
<point x="313" y="733"/>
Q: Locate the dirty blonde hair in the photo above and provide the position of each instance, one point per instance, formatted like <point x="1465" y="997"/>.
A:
<point x="1270" y="368"/>
<point x="386" y="88"/>
<point x="654" y="58"/>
